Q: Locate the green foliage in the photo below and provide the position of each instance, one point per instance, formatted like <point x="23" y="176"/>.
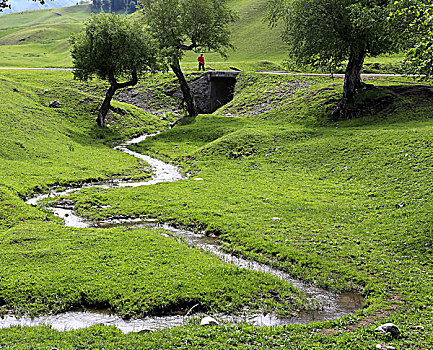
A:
<point x="111" y="47"/>
<point x="325" y="33"/>
<point x="180" y="25"/>
<point x="418" y="15"/>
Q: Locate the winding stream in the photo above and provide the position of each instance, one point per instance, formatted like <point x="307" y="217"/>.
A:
<point x="333" y="305"/>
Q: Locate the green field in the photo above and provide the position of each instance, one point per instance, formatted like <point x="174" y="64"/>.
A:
<point x="40" y="39"/>
<point x="353" y="200"/>
<point x="343" y="205"/>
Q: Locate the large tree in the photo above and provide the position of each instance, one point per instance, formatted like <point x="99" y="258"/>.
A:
<point x="418" y="17"/>
<point x="327" y="33"/>
<point x="112" y="47"/>
<point x="183" y="25"/>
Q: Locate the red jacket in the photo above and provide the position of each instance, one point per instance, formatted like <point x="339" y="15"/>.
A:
<point x="200" y="59"/>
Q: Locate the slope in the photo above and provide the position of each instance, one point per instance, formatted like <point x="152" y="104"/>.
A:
<point x="39" y="38"/>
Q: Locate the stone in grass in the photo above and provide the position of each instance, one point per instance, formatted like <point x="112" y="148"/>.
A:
<point x="54" y="104"/>
<point x="275" y="219"/>
<point x="209" y="321"/>
<point x="384" y="347"/>
<point x="388" y="328"/>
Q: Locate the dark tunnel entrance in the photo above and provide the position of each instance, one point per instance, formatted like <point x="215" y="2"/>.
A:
<point x="213" y="90"/>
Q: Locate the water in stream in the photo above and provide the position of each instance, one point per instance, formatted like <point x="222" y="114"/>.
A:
<point x="333" y="305"/>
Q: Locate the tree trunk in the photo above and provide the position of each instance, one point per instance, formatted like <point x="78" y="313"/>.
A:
<point x="114" y="86"/>
<point x="187" y="96"/>
<point x="346" y="108"/>
<point x="105" y="107"/>
<point x="352" y="76"/>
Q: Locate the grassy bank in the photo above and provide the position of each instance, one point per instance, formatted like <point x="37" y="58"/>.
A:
<point x="47" y="268"/>
<point x="345" y="205"/>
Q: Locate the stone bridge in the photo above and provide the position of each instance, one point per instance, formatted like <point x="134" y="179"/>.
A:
<point x="214" y="89"/>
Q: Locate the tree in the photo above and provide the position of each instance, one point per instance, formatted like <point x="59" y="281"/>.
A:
<point x="328" y="32"/>
<point x="96" y="6"/>
<point x="132" y="7"/>
<point x="112" y="48"/>
<point x="418" y="17"/>
<point x="106" y="6"/>
<point x="118" y="5"/>
<point x="182" y="25"/>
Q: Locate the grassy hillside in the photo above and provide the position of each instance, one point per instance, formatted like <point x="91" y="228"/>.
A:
<point x="46" y="267"/>
<point x="39" y="38"/>
<point x="256" y="45"/>
<point x="353" y="201"/>
<point x="73" y="14"/>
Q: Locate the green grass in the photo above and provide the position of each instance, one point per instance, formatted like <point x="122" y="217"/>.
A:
<point x="47" y="268"/>
<point x="354" y="202"/>
<point x="73" y="14"/>
<point x="62" y="143"/>
<point x="39" y="39"/>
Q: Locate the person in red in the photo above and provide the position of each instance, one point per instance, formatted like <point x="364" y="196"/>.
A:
<point x="200" y="62"/>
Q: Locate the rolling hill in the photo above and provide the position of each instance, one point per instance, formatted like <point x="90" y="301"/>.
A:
<point x="39" y="38"/>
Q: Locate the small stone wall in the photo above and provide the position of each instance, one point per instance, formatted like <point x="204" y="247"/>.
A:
<point x="213" y="90"/>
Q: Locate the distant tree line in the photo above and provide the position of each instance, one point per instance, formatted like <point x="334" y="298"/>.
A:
<point x="114" y="6"/>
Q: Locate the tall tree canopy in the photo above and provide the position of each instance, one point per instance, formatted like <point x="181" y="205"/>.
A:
<point x="112" y="47"/>
<point x="328" y="32"/>
<point x="182" y="25"/>
<point x="418" y="14"/>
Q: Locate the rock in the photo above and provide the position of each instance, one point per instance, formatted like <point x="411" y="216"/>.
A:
<point x="145" y="330"/>
<point x="385" y="347"/>
<point x="65" y="203"/>
<point x="208" y="321"/>
<point x="275" y="219"/>
<point x="198" y="179"/>
<point x="420" y="328"/>
<point x="388" y="328"/>
<point x="54" y="104"/>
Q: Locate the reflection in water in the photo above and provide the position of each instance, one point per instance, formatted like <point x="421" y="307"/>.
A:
<point x="333" y="305"/>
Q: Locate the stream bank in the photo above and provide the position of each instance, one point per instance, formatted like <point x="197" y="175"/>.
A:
<point x="332" y="305"/>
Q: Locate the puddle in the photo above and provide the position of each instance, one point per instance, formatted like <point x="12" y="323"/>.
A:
<point x="333" y="305"/>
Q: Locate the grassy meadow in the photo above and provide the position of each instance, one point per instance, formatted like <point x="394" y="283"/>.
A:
<point x="343" y="205"/>
<point x="353" y="202"/>
<point x="40" y="39"/>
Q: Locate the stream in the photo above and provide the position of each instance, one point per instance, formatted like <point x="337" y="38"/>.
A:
<point x="333" y="305"/>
